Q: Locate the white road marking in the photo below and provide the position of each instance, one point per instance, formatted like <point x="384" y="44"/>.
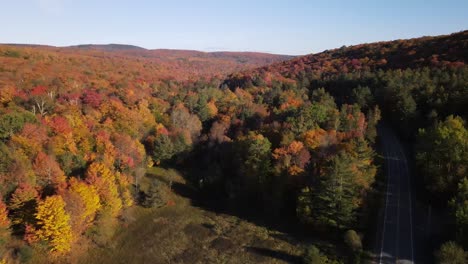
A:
<point x="398" y="210"/>
<point x="399" y="159"/>
<point x="386" y="206"/>
<point x="411" y="203"/>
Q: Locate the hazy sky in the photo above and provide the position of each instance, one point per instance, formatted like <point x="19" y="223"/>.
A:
<point x="288" y="27"/>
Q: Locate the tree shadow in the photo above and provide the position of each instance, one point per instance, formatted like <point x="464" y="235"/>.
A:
<point x="204" y="173"/>
<point x="276" y="254"/>
<point x="185" y="190"/>
<point x="289" y="229"/>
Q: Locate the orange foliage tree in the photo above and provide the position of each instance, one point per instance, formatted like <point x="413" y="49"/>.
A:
<point x="293" y="157"/>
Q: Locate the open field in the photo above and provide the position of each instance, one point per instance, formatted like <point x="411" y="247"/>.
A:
<point x="182" y="233"/>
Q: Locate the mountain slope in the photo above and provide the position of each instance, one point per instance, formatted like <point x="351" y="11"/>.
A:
<point x="440" y="51"/>
<point x="421" y="87"/>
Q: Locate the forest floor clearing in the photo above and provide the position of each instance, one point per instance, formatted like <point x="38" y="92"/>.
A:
<point x="182" y="233"/>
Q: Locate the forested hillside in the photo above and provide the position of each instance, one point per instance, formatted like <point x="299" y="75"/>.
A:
<point x="125" y="63"/>
<point x="79" y="128"/>
<point x="294" y="142"/>
<point x="421" y="87"/>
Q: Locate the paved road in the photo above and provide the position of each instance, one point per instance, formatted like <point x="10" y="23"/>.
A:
<point x="395" y="237"/>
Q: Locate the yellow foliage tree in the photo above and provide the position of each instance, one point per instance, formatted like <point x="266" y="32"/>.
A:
<point x="4" y="224"/>
<point x="6" y="94"/>
<point x="29" y="147"/>
<point x="54" y="224"/>
<point x="4" y="221"/>
<point x="100" y="176"/>
<point x="212" y="109"/>
<point x="105" y="148"/>
<point x="88" y="196"/>
<point x="124" y="185"/>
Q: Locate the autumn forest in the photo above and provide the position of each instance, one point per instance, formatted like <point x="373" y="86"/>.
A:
<point x="95" y="137"/>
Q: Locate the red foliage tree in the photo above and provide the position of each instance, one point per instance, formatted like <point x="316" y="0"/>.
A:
<point x="60" y="125"/>
<point x="48" y="171"/>
<point x="92" y="98"/>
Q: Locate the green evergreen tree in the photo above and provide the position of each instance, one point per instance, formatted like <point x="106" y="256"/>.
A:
<point x="362" y="96"/>
<point x="363" y="156"/>
<point x="254" y="160"/>
<point x="163" y="148"/>
<point x="334" y="200"/>
<point x="459" y="205"/>
<point x="373" y="118"/>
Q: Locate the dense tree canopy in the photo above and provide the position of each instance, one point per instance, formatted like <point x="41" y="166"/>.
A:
<point x="78" y="128"/>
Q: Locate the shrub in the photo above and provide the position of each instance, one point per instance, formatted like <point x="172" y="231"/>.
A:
<point x="451" y="253"/>
<point x="25" y="254"/>
<point x="353" y="241"/>
<point x="312" y="255"/>
<point x="12" y="54"/>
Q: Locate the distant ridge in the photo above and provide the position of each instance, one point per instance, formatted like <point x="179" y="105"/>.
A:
<point x="139" y="51"/>
<point x="164" y="63"/>
<point x="107" y="47"/>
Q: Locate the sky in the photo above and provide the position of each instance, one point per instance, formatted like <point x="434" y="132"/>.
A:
<point x="293" y="27"/>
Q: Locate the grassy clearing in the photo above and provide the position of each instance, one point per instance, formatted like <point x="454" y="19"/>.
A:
<point x="182" y="233"/>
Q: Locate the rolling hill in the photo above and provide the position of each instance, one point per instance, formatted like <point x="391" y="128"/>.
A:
<point x="439" y="51"/>
<point x="158" y="65"/>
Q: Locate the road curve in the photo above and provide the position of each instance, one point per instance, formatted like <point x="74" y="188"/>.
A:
<point x="395" y="238"/>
